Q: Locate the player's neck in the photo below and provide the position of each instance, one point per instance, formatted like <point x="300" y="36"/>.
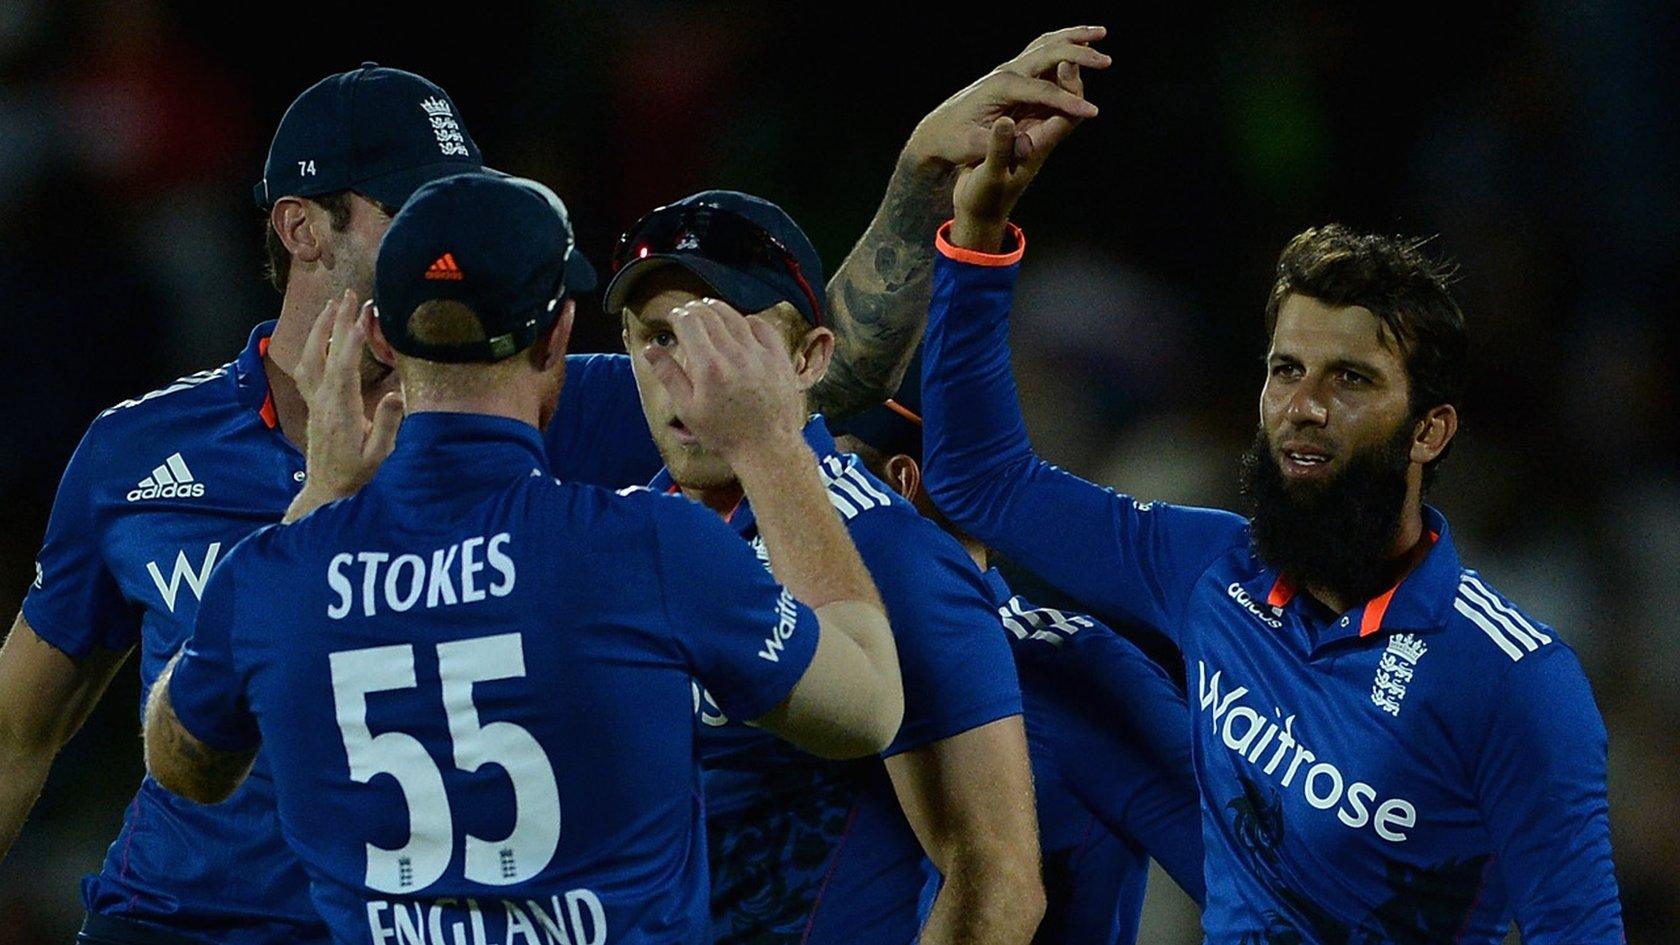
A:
<point x="978" y="551"/>
<point x="1410" y="547"/>
<point x="723" y="499"/>
<point x="299" y="309"/>
<point x="486" y="405"/>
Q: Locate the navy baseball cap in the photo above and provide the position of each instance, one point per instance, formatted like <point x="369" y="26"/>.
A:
<point x="378" y="131"/>
<point x="895" y="426"/>
<point x="747" y="249"/>
<point x="502" y="246"/>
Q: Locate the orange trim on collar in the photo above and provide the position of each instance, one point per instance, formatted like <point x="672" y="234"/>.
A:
<point x="1374" y="610"/>
<point x="1282" y="592"/>
<point x="270" y="416"/>
<point x="1377" y="607"/>
<point x="942" y="242"/>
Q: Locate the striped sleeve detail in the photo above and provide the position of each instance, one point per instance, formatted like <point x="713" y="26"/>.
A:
<point x="849" y="489"/>
<point x="185" y="383"/>
<point x="1513" y="633"/>
<point x="1048" y="624"/>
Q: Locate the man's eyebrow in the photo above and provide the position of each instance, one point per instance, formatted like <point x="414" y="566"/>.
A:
<point x="1359" y="367"/>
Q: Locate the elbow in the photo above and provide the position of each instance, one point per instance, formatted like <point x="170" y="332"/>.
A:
<point x="874" y="724"/>
<point x="176" y="776"/>
<point x="888" y="716"/>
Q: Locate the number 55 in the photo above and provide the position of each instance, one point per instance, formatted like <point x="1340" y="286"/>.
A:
<point x="424" y="858"/>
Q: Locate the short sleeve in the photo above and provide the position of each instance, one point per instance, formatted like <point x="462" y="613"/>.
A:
<point x="957" y="668"/>
<point x="207" y="690"/>
<point x="75" y="603"/>
<point x="748" y="640"/>
<point x="599" y="435"/>
<point x="1540" y="782"/>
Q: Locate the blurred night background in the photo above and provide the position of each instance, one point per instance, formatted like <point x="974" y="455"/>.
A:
<point x="1537" y="139"/>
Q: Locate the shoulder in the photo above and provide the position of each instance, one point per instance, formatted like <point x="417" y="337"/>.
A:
<point x="139" y="443"/>
<point x="175" y="402"/>
<point x="856" y="494"/>
<point x="1491" y="627"/>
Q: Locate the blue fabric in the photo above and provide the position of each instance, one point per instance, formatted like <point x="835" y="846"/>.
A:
<point x="1422" y="771"/>
<point x="814" y="851"/>
<point x="1109" y="737"/>
<point x="124" y="563"/>
<point x="507" y="631"/>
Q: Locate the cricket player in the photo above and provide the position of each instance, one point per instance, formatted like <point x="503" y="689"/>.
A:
<point x="493" y="647"/>
<point x="165" y="484"/>
<point x="805" y="849"/>
<point x="1107" y="729"/>
<point x="1388" y="749"/>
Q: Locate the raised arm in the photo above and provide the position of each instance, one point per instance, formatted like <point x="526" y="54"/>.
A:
<point x="878" y="298"/>
<point x="1121" y="558"/>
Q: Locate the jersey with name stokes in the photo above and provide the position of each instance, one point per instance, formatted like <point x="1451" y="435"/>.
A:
<point x="161" y="488"/>
<point x="473" y="686"/>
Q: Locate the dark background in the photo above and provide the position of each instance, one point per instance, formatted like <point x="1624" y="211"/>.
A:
<point x="1537" y="140"/>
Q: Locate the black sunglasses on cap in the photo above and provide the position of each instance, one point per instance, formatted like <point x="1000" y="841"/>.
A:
<point x="734" y="243"/>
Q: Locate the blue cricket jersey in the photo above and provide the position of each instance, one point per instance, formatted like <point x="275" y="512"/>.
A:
<point x="161" y="488"/>
<point x="473" y="684"/>
<point x="807" y="850"/>
<point x="1424" y="768"/>
<point x="1109" y="734"/>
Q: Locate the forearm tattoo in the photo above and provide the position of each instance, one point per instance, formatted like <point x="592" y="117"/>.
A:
<point x="878" y="299"/>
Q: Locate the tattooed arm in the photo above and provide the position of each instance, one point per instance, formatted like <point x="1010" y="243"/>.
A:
<point x="182" y="763"/>
<point x="878" y="298"/>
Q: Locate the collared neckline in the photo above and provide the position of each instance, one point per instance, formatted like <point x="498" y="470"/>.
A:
<point x="251" y="376"/>
<point x="1418" y="602"/>
<point x="449" y="450"/>
<point x="741" y="517"/>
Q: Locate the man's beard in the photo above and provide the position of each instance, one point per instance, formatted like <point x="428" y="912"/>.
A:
<point x="1339" y="534"/>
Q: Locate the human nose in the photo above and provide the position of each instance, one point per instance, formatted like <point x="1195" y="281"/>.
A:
<point x="1306" y="405"/>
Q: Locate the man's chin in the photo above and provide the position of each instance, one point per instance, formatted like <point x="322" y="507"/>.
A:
<point x="692" y="467"/>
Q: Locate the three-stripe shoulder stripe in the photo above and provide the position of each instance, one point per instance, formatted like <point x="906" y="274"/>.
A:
<point x="1041" y="623"/>
<point x="849" y="488"/>
<point x="185" y="383"/>
<point x="1503" y="624"/>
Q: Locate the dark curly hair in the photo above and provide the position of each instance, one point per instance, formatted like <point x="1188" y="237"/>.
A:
<point x="1393" y="278"/>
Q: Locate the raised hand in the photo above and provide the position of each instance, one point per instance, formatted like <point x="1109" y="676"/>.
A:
<point x="344" y="447"/>
<point x="987" y="192"/>
<point x="1026" y="88"/>
<point x="735" y="386"/>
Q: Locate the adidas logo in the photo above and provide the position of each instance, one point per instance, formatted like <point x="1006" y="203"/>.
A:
<point x="445" y="268"/>
<point x="172" y="480"/>
<point x="437" y="107"/>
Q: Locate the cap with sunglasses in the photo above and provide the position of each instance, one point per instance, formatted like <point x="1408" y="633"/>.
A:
<point x="502" y="246"/>
<point x="748" y="250"/>
<point x="379" y="131"/>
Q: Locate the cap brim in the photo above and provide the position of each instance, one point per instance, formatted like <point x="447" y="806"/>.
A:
<point x="394" y="189"/>
<point x="580" y="275"/>
<point x="744" y="292"/>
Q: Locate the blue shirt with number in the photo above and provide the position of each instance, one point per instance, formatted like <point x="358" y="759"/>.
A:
<point x="473" y="686"/>
<point x="161" y="488"/>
